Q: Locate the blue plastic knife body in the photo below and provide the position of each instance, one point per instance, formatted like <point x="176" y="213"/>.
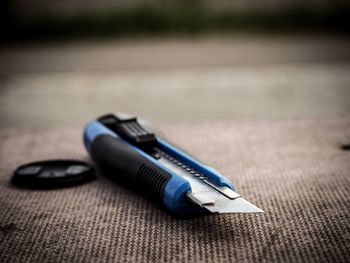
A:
<point x="125" y="151"/>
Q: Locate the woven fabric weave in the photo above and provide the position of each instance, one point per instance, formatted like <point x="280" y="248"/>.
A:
<point x="294" y="170"/>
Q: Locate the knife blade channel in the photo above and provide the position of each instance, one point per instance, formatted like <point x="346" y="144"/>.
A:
<point x="215" y="199"/>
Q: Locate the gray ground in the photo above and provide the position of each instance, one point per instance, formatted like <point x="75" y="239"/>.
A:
<point x="170" y="80"/>
<point x="306" y="174"/>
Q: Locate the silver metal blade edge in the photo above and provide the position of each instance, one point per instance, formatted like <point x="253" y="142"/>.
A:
<point x="238" y="205"/>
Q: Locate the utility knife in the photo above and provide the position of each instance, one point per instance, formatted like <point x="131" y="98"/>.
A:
<point x="124" y="150"/>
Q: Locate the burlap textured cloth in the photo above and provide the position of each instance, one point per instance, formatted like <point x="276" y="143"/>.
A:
<point x="294" y="170"/>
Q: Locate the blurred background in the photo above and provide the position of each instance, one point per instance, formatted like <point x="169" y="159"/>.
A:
<point x="63" y="63"/>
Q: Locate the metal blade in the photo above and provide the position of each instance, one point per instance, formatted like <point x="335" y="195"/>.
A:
<point x="207" y="195"/>
<point x="217" y="203"/>
<point x="239" y="205"/>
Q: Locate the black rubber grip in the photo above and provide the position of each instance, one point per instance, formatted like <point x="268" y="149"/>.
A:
<point x="122" y="163"/>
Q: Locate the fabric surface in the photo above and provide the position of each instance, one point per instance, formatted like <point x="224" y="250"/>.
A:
<point x="294" y="170"/>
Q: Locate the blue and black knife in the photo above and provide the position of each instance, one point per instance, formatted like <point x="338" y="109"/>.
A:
<point x="124" y="150"/>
